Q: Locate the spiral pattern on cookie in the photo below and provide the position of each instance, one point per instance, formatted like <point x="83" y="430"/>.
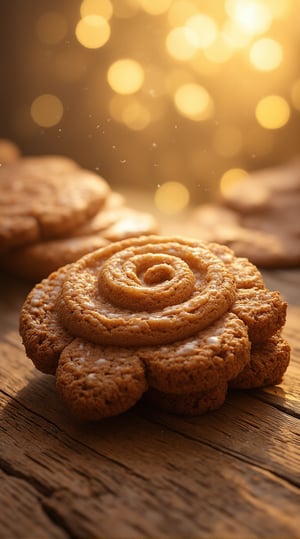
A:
<point x="144" y="291"/>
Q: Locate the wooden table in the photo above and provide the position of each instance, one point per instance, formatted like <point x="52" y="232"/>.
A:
<point x="234" y="473"/>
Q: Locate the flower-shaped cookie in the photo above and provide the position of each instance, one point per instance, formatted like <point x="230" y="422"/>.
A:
<point x="168" y="316"/>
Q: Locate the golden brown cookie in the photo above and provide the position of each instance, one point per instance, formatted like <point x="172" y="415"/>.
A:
<point x="97" y="383"/>
<point x="139" y="278"/>
<point x="44" y="337"/>
<point x="263" y="311"/>
<point x="265" y="248"/>
<point x="190" y="404"/>
<point x="146" y="312"/>
<point x="46" y="197"/>
<point x="269" y="361"/>
<point x="113" y="222"/>
<point x="258" y="217"/>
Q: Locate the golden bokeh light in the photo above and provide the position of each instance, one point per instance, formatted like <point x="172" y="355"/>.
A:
<point x="155" y="7"/>
<point x="194" y="102"/>
<point x="234" y="35"/>
<point x="230" y="178"/>
<point x="171" y="197"/>
<point x="125" y="76"/>
<point x="213" y="84"/>
<point x="103" y="8"/>
<point x="93" y="31"/>
<point x="253" y="16"/>
<point x="182" y="43"/>
<point x="204" y="28"/>
<point x="51" y="27"/>
<point x="295" y="94"/>
<point x="272" y="112"/>
<point x="47" y="110"/>
<point x="266" y="54"/>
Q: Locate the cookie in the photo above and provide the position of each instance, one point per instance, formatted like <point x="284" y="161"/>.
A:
<point x="112" y="223"/>
<point x="46" y="197"/>
<point x="268" y="362"/>
<point x="257" y="191"/>
<point x="146" y="313"/>
<point x="9" y="152"/>
<point x="98" y="383"/>
<point x="257" y="217"/>
<point x="268" y="311"/>
<point x="190" y="404"/>
<point x="43" y="336"/>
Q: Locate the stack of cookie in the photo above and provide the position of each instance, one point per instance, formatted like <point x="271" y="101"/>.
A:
<point x="258" y="217"/>
<point x="52" y="212"/>
<point x="174" y="320"/>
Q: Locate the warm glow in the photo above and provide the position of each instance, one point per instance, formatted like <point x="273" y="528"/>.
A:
<point x="93" y="31"/>
<point x="47" y="110"/>
<point x="125" y="9"/>
<point x="295" y="94"/>
<point x="154" y="81"/>
<point x="155" y="7"/>
<point x="253" y="16"/>
<point x="194" y="102"/>
<point x="230" y="178"/>
<point x="278" y="8"/>
<point x="227" y="141"/>
<point x="171" y="198"/>
<point x="219" y="51"/>
<point x="180" y="11"/>
<point x="176" y="78"/>
<point x="234" y="35"/>
<point x="204" y="28"/>
<point x="96" y="7"/>
<point x="125" y="76"/>
<point x="136" y="116"/>
<point x="272" y="112"/>
<point x="117" y="105"/>
<point x="182" y="43"/>
<point x="70" y="65"/>
<point x="51" y="28"/>
<point x="266" y="54"/>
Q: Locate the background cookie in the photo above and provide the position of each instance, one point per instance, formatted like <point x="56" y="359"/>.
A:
<point x="257" y="217"/>
<point x="46" y="197"/>
<point x="114" y="222"/>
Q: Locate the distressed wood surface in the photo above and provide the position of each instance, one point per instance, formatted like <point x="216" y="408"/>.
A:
<point x="234" y="473"/>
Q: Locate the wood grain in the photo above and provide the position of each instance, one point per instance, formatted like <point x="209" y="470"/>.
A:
<point x="234" y="473"/>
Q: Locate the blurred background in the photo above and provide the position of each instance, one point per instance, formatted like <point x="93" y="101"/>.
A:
<point x="170" y="97"/>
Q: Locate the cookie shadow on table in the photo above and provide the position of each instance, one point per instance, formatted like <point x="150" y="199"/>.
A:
<point x="40" y="401"/>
